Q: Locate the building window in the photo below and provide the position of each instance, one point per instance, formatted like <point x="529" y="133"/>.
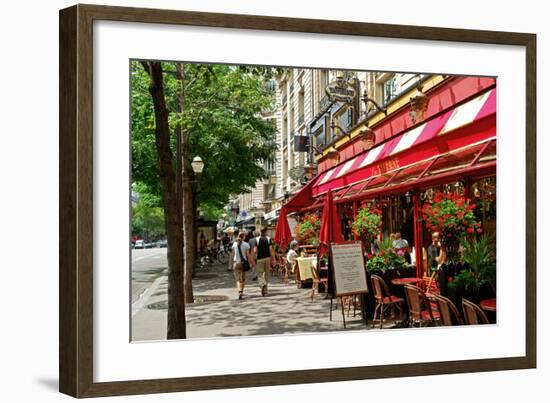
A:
<point x="292" y="162"/>
<point x="389" y="90"/>
<point x="271" y="86"/>
<point x="285" y="131"/>
<point x="323" y="82"/>
<point x="344" y="119"/>
<point x="269" y="192"/>
<point x="301" y="106"/>
<point x="320" y="138"/>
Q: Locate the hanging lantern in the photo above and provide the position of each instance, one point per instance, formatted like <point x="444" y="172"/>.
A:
<point x="367" y="137"/>
<point x="333" y="155"/>
<point x="419" y="106"/>
<point x="308" y="171"/>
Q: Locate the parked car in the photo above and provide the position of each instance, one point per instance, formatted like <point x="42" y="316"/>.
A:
<point x="140" y="244"/>
<point x="162" y="243"/>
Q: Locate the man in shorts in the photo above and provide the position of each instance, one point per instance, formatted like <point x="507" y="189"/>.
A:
<point x="265" y="256"/>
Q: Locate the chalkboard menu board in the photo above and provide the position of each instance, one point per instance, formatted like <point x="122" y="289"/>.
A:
<point x="348" y="266"/>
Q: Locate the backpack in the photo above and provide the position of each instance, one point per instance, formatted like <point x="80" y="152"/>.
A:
<point x="262" y="243"/>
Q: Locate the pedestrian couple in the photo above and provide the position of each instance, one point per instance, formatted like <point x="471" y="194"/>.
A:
<point x="261" y="255"/>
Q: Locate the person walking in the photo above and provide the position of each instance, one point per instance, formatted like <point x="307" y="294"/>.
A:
<point x="225" y="241"/>
<point x="264" y="257"/>
<point x="252" y="243"/>
<point x="241" y="257"/>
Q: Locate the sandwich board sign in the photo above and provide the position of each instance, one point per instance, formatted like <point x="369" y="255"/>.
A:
<point x="348" y="267"/>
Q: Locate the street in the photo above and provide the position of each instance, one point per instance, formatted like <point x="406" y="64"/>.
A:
<point x="147" y="266"/>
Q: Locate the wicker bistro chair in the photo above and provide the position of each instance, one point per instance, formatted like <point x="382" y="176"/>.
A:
<point x="447" y="310"/>
<point x="430" y="285"/>
<point x="317" y="279"/>
<point x="421" y="311"/>
<point x="473" y="314"/>
<point x="278" y="267"/>
<point x="282" y="268"/>
<point x="384" y="299"/>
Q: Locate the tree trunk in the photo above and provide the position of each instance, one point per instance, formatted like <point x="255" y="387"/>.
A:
<point x="188" y="212"/>
<point x="176" y="306"/>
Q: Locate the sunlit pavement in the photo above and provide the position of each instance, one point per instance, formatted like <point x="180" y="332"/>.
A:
<point x="286" y="309"/>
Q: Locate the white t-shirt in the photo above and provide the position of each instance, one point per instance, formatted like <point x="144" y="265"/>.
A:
<point x="400" y="243"/>
<point x="244" y="247"/>
<point x="291" y="256"/>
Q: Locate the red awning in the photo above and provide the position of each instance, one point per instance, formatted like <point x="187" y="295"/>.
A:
<point x="471" y="124"/>
<point x="478" y="159"/>
<point x="302" y="199"/>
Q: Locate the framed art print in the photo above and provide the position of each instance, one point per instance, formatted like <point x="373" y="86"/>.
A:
<point x="226" y="180"/>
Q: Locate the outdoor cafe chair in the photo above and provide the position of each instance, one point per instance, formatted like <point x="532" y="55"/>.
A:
<point x="473" y="314"/>
<point x="421" y="311"/>
<point x="447" y="310"/>
<point x="430" y="285"/>
<point x="384" y="299"/>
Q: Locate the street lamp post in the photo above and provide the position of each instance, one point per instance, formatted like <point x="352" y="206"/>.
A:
<point x="198" y="166"/>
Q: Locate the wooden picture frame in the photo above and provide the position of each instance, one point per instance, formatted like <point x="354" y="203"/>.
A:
<point x="76" y="355"/>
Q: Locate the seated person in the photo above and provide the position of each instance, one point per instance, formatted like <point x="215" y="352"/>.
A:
<point x="292" y="255"/>
<point x="400" y="245"/>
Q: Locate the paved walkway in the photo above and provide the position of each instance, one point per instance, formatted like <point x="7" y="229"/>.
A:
<point x="286" y="309"/>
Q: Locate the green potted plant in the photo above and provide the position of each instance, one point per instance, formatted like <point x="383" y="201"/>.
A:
<point x="478" y="279"/>
<point x="385" y="262"/>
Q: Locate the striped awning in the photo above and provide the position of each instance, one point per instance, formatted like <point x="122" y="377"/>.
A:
<point x="454" y="129"/>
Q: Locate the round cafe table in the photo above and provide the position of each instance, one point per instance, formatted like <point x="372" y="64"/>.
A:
<point x="489" y="304"/>
<point x="406" y="280"/>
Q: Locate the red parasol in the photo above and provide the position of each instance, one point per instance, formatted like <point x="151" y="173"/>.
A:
<point x="331" y="230"/>
<point x="282" y="232"/>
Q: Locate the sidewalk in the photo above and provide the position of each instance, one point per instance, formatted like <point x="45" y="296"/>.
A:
<point x="286" y="309"/>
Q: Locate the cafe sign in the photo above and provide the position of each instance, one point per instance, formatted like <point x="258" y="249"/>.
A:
<point x="340" y="91"/>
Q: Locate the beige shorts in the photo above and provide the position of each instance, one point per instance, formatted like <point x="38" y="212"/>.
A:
<point x="238" y="272"/>
<point x="263" y="265"/>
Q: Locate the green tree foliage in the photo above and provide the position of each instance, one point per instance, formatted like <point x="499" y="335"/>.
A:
<point x="148" y="214"/>
<point x="210" y="212"/>
<point x="222" y="117"/>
